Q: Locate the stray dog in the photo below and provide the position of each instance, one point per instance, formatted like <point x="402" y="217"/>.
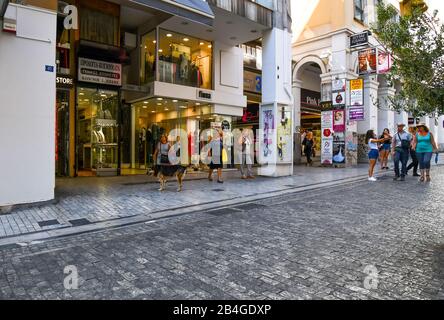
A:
<point x="169" y="171"/>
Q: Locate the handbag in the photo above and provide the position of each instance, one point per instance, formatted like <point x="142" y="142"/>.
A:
<point x="224" y="156"/>
<point x="405" y="144"/>
<point x="164" y="158"/>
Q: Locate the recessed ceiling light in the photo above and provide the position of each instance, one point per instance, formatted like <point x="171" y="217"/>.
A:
<point x="145" y="102"/>
<point x="201" y="43"/>
<point x="160" y="50"/>
<point x="159" y="104"/>
<point x="183" y="107"/>
<point x="197" y="104"/>
<point x="175" y="101"/>
<point x="81" y="94"/>
<point x="146" y="47"/>
<point x="210" y="46"/>
<point x="166" y="109"/>
<point x="186" y="39"/>
<point x="169" y="35"/>
<point x="153" y="111"/>
<point x="159" y="99"/>
<point x="145" y="107"/>
<point x="197" y="117"/>
<point x="154" y="41"/>
<point x="103" y="95"/>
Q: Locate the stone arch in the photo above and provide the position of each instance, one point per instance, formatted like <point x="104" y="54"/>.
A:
<point x="307" y="60"/>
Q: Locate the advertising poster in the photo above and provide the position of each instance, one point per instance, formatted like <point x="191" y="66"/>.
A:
<point x="268" y="144"/>
<point x="384" y="62"/>
<point x="357" y="92"/>
<point x="327" y="137"/>
<point x="339" y="152"/>
<point x="339" y="121"/>
<point x="339" y="88"/>
<point x="368" y="61"/>
<point x="284" y="138"/>
<point x="356" y="114"/>
<point x="327" y="151"/>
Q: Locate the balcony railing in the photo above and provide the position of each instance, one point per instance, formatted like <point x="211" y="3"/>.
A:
<point x="247" y="9"/>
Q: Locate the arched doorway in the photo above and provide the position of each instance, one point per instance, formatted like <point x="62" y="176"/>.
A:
<point x="308" y="76"/>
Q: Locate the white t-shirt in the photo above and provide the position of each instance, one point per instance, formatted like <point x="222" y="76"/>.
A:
<point x="372" y="145"/>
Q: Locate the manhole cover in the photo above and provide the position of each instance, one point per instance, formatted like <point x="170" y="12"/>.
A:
<point x="48" y="223"/>
<point x="79" y="222"/>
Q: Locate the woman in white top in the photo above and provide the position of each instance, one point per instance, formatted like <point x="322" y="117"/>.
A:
<point x="373" y="154"/>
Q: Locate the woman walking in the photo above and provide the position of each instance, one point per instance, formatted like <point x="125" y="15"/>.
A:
<point x="385" y="148"/>
<point x="424" y="143"/>
<point x="373" y="154"/>
<point x="216" y="152"/>
<point x="308" y="144"/>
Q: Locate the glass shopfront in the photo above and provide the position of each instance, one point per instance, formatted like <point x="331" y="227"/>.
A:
<point x="157" y="116"/>
<point x="182" y="59"/>
<point x="97" y="134"/>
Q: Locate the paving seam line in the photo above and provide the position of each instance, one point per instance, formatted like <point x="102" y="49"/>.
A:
<point x="165" y="214"/>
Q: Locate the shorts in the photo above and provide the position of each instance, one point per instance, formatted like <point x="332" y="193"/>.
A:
<point x="386" y="147"/>
<point x="373" y="154"/>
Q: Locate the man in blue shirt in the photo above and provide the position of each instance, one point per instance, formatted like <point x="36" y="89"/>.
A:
<point x="400" y="151"/>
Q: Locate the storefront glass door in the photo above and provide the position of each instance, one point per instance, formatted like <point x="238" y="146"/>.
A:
<point x="62" y="133"/>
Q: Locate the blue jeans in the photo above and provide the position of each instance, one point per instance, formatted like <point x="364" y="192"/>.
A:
<point x="424" y="159"/>
<point x="403" y="157"/>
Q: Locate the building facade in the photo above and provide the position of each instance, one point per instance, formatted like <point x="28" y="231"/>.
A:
<point x="122" y="73"/>
<point x="323" y="59"/>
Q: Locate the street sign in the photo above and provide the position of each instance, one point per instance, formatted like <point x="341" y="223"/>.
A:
<point x="358" y="40"/>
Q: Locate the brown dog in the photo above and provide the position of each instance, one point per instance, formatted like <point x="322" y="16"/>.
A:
<point x="169" y="171"/>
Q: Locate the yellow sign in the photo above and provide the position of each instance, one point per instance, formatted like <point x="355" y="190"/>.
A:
<point x="357" y="84"/>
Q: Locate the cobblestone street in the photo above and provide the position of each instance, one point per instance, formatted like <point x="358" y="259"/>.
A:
<point x="316" y="244"/>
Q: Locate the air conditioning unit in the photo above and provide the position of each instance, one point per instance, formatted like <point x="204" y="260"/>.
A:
<point x="129" y="41"/>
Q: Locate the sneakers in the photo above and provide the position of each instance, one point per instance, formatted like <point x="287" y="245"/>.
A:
<point x="372" y="179"/>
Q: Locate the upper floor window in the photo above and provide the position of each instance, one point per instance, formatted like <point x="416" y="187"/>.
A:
<point x="360" y="10"/>
<point x="99" y="27"/>
<point x="265" y="3"/>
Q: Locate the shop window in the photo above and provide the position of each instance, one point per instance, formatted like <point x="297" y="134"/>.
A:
<point x="99" y="27"/>
<point x="185" y="60"/>
<point x="148" y="58"/>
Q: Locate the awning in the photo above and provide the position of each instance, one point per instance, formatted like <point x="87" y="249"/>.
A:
<point x="3" y="5"/>
<point x="196" y="10"/>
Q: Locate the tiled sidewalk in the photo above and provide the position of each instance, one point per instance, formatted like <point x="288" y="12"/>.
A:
<point x="83" y="201"/>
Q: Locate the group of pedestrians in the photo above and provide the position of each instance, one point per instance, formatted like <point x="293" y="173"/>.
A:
<point x="167" y="158"/>
<point x="419" y="144"/>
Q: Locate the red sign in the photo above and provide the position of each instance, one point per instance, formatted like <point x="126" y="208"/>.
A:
<point x="327" y="133"/>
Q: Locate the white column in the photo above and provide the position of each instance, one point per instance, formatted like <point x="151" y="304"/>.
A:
<point x="371" y="109"/>
<point x="401" y="117"/>
<point x="297" y="86"/>
<point x="277" y="93"/>
<point x="386" y="117"/>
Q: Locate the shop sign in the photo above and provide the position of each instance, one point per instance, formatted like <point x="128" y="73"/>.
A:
<point x="327" y="105"/>
<point x="310" y="99"/>
<point x="384" y="62"/>
<point x="357" y="92"/>
<point x="252" y="82"/>
<point x="100" y="72"/>
<point x="356" y="114"/>
<point x="206" y="95"/>
<point x="64" y="81"/>
<point x="358" y="40"/>
<point x="367" y="61"/>
<point x="338" y="121"/>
